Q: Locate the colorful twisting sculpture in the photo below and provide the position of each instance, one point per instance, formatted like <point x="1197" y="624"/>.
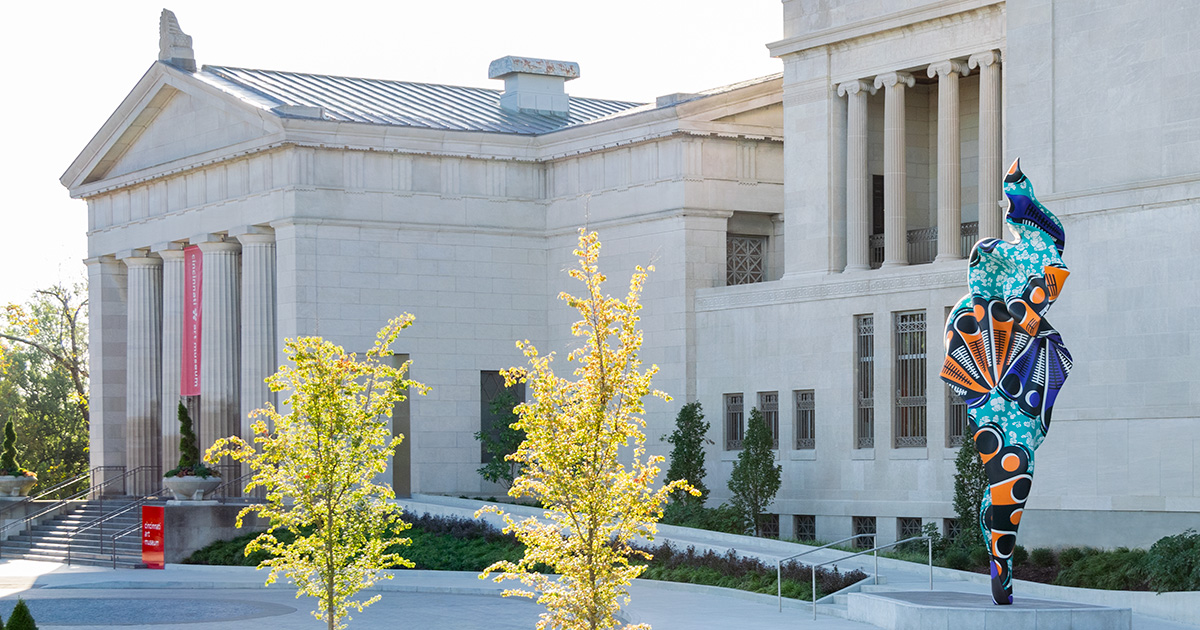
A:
<point x="1008" y="363"/>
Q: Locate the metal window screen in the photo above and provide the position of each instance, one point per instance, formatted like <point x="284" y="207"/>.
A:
<point x="907" y="528"/>
<point x="745" y="259"/>
<point x="806" y="415"/>
<point x="956" y="419"/>
<point x="770" y="525"/>
<point x="864" y="525"/>
<point x="911" y="412"/>
<point x="864" y="424"/>
<point x="735" y="422"/>
<point x="806" y="526"/>
<point x="950" y="528"/>
<point x="768" y="405"/>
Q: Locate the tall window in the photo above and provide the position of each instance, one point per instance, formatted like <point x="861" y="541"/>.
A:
<point x="910" y="379"/>
<point x="864" y="525"/>
<point x="491" y="385"/>
<point x="864" y="375"/>
<point x="745" y="259"/>
<point x="956" y="419"/>
<point x="768" y="405"/>
<point x="735" y="422"/>
<point x="806" y="415"/>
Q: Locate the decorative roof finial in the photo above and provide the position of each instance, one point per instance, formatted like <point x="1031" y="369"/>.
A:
<point x="174" y="46"/>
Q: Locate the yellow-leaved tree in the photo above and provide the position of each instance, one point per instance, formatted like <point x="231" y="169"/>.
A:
<point x="318" y="464"/>
<point x="584" y="460"/>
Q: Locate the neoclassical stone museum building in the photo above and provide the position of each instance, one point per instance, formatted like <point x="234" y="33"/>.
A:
<point x="808" y="229"/>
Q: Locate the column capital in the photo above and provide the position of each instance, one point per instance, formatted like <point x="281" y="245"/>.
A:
<point x="171" y="254"/>
<point x="142" y="261"/>
<point x="943" y="68"/>
<point x="854" y="87"/>
<point x="890" y="80"/>
<point x="256" y="238"/>
<point x="218" y="246"/>
<point x="984" y="59"/>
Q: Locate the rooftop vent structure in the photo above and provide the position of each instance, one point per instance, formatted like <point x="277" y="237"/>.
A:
<point x="174" y="46"/>
<point x="534" y="86"/>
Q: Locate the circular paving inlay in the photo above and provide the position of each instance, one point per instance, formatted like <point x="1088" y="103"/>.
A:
<point x="80" y="611"/>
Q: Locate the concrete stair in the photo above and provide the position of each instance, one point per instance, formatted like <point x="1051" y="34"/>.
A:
<point x="48" y="541"/>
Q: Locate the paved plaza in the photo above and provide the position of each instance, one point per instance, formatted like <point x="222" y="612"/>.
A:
<point x="210" y="598"/>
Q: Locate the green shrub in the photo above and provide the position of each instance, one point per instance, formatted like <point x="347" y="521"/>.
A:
<point x="1122" y="569"/>
<point x="1042" y="557"/>
<point x="1020" y="555"/>
<point x="687" y="452"/>
<point x="979" y="556"/>
<point x="970" y="482"/>
<point x="21" y="619"/>
<point x="1173" y="563"/>
<point x="1071" y="555"/>
<point x="723" y="518"/>
<point x="957" y="558"/>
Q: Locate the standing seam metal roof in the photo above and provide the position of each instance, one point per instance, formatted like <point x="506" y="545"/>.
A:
<point x="402" y="103"/>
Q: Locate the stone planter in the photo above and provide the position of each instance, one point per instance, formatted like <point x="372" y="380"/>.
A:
<point x="16" y="486"/>
<point x="190" y="488"/>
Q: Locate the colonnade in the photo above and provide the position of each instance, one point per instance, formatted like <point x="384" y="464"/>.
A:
<point x="237" y="342"/>
<point x="949" y="203"/>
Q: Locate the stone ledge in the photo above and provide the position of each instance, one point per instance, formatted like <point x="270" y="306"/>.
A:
<point x="946" y="610"/>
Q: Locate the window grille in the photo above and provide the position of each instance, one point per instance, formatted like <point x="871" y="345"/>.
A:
<point x="950" y="528"/>
<point x="769" y="525"/>
<point x="911" y="412"/>
<point x="806" y="526"/>
<point x="806" y="412"/>
<point x="864" y="425"/>
<point x="491" y="385"/>
<point x="735" y="422"/>
<point x="907" y="528"/>
<point x="864" y="525"/>
<point x="956" y="419"/>
<point x="768" y="405"/>
<point x="745" y="259"/>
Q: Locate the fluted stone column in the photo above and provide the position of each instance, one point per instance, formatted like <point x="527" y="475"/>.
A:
<point x="143" y="428"/>
<point x="895" y="172"/>
<point x="172" y="352"/>
<point x="258" y="324"/>
<point x="219" y="355"/>
<point x="949" y="173"/>
<point x="858" y="177"/>
<point x="991" y="169"/>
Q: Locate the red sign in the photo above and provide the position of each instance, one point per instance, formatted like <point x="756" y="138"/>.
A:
<point x="153" y="550"/>
<point x="193" y="291"/>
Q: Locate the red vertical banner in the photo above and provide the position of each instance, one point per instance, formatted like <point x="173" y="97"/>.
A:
<point x="193" y="292"/>
<point x="153" y="549"/>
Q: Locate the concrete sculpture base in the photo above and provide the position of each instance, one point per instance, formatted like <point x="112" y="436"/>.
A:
<point x="951" y="610"/>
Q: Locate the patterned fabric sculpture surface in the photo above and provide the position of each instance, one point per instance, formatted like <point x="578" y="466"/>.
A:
<point x="1008" y="363"/>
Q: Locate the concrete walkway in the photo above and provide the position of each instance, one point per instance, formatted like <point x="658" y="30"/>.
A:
<point x="207" y="598"/>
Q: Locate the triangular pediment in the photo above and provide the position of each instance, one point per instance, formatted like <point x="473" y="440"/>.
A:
<point x="169" y="116"/>
<point x="755" y="104"/>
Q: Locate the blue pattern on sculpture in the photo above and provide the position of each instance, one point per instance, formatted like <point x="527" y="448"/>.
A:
<point x="1008" y="363"/>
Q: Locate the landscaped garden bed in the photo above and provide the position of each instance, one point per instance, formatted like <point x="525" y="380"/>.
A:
<point x="457" y="544"/>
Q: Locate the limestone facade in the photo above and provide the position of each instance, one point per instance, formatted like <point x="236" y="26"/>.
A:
<point x="851" y="188"/>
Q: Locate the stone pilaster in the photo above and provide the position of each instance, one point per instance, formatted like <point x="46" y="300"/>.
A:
<point x="172" y="352"/>
<point x="895" y="171"/>
<point x="258" y="324"/>
<point x="107" y="298"/>
<point x="219" y="354"/>
<point x="858" y="176"/>
<point x="143" y="402"/>
<point x="991" y="168"/>
<point x="949" y="173"/>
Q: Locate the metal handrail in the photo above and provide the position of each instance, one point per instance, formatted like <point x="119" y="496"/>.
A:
<point x="58" y="505"/>
<point x="101" y="520"/>
<point x="874" y="551"/>
<point x="223" y="487"/>
<point x="63" y="484"/>
<point x="121" y="534"/>
<point x="779" y="562"/>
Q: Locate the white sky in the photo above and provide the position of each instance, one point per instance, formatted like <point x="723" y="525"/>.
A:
<point x="69" y="64"/>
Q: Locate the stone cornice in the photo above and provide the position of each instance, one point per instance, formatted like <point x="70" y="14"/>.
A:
<point x="884" y="22"/>
<point x="877" y="283"/>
